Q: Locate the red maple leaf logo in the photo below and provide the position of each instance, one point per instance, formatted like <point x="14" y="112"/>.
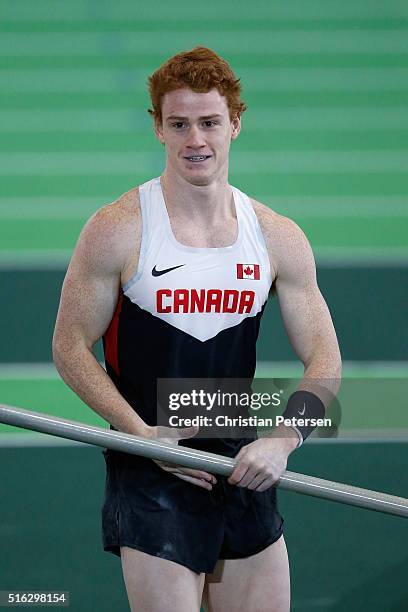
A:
<point x="248" y="271"/>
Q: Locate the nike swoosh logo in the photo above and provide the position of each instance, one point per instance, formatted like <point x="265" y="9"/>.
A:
<point x="160" y="272"/>
<point x="302" y="412"/>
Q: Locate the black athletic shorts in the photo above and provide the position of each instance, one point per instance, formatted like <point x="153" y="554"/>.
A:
<point x="156" y="512"/>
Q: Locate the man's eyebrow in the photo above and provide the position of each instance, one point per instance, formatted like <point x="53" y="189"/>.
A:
<point x="175" y="117"/>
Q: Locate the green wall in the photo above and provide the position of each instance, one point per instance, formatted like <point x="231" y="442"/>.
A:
<point x="367" y="307"/>
<point x="342" y="558"/>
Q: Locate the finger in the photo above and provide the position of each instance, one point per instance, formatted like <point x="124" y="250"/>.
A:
<point x="238" y="473"/>
<point x="167" y="434"/>
<point x="196" y="474"/>
<point x="200" y="483"/>
<point x="178" y="469"/>
<point x="266" y="484"/>
<point x="251" y="474"/>
<point x="164" y="465"/>
<point x="187" y="432"/>
<point x="257" y="481"/>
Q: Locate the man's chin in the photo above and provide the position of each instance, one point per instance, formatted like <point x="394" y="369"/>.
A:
<point x="198" y="179"/>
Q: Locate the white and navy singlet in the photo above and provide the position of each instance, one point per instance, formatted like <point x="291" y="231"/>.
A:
<point x="188" y="312"/>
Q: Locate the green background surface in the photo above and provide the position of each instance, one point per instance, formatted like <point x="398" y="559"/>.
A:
<point x="342" y="558"/>
<point x="367" y="304"/>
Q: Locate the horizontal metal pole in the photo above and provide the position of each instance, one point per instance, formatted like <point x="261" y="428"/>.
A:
<point x="188" y="457"/>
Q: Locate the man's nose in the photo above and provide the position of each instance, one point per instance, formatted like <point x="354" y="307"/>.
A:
<point x="195" y="138"/>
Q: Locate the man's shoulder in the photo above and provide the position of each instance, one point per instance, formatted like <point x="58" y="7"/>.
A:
<point x="117" y="220"/>
<point x="288" y="247"/>
<point x="112" y="234"/>
<point x="275" y="226"/>
<point x="120" y="211"/>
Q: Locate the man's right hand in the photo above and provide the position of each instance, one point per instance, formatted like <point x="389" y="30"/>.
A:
<point x="173" y="435"/>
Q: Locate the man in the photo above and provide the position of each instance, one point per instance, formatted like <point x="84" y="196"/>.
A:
<point x="174" y="275"/>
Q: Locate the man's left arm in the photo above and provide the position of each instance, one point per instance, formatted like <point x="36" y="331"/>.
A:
<point x="311" y="333"/>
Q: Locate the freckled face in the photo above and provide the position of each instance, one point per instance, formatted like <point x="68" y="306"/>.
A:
<point x="197" y="131"/>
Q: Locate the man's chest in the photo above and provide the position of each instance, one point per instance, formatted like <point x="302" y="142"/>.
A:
<point x="217" y="235"/>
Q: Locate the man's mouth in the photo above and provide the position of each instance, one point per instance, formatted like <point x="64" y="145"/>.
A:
<point x="197" y="158"/>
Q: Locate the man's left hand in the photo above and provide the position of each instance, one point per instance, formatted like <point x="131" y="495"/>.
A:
<point x="262" y="462"/>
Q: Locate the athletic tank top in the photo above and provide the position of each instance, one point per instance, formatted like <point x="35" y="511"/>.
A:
<point x="188" y="312"/>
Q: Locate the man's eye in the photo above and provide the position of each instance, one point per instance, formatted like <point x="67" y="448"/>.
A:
<point x="178" y="124"/>
<point x="209" y="123"/>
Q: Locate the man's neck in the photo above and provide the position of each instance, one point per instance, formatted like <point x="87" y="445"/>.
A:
<point x="206" y="203"/>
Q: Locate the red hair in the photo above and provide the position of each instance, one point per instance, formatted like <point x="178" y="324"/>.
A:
<point x="200" y="69"/>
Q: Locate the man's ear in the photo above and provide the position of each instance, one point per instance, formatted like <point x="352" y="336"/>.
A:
<point x="235" y="127"/>
<point x="158" y="130"/>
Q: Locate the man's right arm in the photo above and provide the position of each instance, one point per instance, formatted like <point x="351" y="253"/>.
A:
<point x="88" y="300"/>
